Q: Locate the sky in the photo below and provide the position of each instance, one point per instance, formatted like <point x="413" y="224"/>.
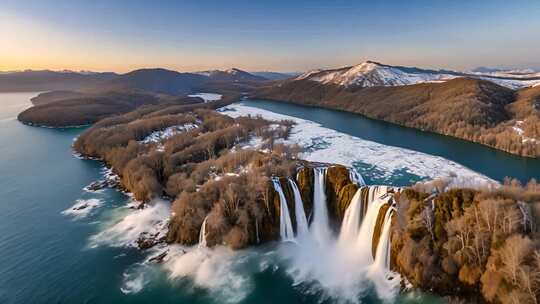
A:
<point x="266" y="35"/>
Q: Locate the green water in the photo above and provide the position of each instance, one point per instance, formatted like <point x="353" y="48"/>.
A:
<point x="46" y="257"/>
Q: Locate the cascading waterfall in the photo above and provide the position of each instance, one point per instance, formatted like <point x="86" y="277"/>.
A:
<point x="351" y="220"/>
<point x="367" y="229"/>
<point x="301" y="220"/>
<point x="356" y="177"/>
<point x="342" y="265"/>
<point x="202" y="233"/>
<point x="257" y="231"/>
<point x="385" y="280"/>
<point x="382" y="255"/>
<point x="285" y="226"/>
<point x="320" y="227"/>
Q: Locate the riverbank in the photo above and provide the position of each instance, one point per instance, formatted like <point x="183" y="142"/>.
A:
<point x="469" y="109"/>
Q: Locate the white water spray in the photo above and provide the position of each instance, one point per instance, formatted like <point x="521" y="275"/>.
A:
<point x="351" y="220"/>
<point x="320" y="227"/>
<point x="301" y="220"/>
<point x="365" y="235"/>
<point x="202" y="233"/>
<point x="356" y="177"/>
<point x="386" y="281"/>
<point x="285" y="226"/>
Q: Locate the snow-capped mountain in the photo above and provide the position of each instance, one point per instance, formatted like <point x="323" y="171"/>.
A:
<point x="371" y="74"/>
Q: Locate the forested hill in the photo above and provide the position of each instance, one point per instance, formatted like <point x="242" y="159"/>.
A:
<point x="471" y="109"/>
<point x="74" y="99"/>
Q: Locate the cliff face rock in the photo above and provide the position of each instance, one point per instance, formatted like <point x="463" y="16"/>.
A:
<point x="305" y="181"/>
<point x="379" y="223"/>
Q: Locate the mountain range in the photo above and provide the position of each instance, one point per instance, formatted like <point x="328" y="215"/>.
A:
<point x="494" y="107"/>
<point x="156" y="80"/>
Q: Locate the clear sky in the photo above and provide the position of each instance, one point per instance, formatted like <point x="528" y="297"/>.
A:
<point x="266" y="35"/>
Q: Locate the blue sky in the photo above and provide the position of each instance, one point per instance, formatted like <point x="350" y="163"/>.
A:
<point x="267" y="35"/>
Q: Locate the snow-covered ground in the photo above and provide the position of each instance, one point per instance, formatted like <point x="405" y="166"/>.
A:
<point x="159" y="136"/>
<point x="207" y="97"/>
<point x="327" y="145"/>
<point x="519" y="130"/>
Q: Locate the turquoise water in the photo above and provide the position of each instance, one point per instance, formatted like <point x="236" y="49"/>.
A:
<point x="490" y="162"/>
<point x="46" y="256"/>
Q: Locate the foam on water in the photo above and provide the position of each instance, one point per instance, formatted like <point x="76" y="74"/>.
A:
<point x="128" y="224"/>
<point x="82" y="208"/>
<point x="219" y="270"/>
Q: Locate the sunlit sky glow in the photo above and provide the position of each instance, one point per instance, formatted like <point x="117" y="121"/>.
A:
<point x="266" y="35"/>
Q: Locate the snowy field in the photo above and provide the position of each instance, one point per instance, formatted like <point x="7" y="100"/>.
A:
<point x="376" y="162"/>
<point x="207" y="97"/>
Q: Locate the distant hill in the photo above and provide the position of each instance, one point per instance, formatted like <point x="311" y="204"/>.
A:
<point x="159" y="81"/>
<point x="275" y="75"/>
<point x="83" y="109"/>
<point x="231" y="75"/>
<point x="156" y="81"/>
<point x="52" y="96"/>
<point x="33" y="81"/>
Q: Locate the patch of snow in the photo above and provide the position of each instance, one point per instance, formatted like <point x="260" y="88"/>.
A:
<point x="167" y="133"/>
<point x="512" y="83"/>
<point x="207" y="97"/>
<point x="327" y="145"/>
<point x="519" y="130"/>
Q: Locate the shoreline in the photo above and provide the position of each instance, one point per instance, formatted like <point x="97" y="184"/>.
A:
<point x="256" y="97"/>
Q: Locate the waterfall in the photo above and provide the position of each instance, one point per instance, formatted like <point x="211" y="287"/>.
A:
<point x="376" y="192"/>
<point x="356" y="177"/>
<point x="285" y="226"/>
<point x="367" y="228"/>
<point x="320" y="225"/>
<point x="386" y="281"/>
<point x="202" y="233"/>
<point x="342" y="265"/>
<point x="301" y="220"/>
<point x="257" y="230"/>
<point x="382" y="255"/>
<point x="351" y="220"/>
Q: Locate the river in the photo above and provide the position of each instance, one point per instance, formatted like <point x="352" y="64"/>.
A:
<point x="50" y="255"/>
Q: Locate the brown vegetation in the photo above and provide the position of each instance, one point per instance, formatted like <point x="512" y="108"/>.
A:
<point x="93" y="107"/>
<point x="205" y="170"/>
<point x="471" y="242"/>
<point x="470" y="109"/>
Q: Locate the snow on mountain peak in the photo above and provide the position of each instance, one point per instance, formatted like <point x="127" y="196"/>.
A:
<point x="233" y="71"/>
<point x="371" y="74"/>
